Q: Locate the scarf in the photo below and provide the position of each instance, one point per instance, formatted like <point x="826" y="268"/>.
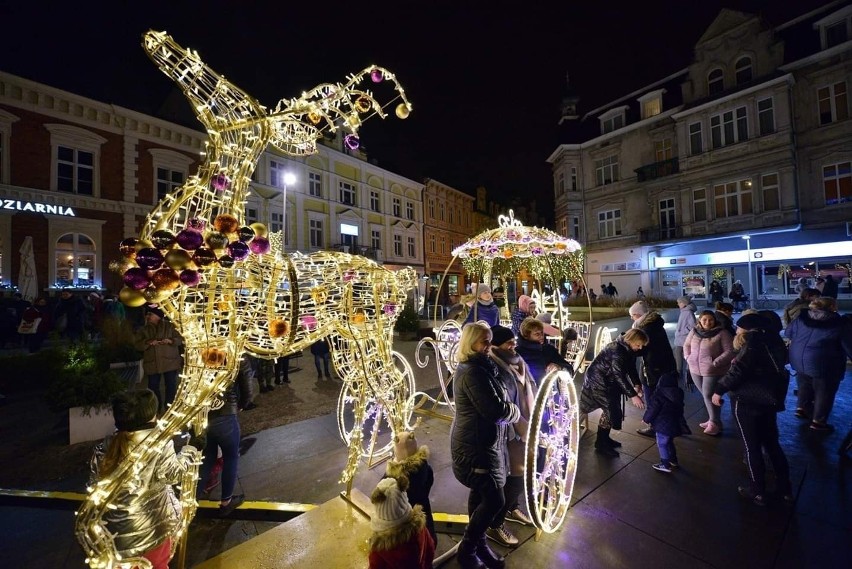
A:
<point x="515" y="365"/>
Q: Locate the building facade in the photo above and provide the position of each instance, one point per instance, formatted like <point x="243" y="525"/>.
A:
<point x="734" y="168"/>
<point x="78" y="176"/>
<point x="448" y="223"/>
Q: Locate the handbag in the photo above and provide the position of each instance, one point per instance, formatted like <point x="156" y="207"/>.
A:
<point x="29" y="326"/>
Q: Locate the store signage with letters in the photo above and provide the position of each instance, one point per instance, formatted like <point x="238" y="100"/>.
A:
<point x="16" y="205"/>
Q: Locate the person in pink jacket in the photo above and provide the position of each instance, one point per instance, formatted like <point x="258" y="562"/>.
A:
<point x="709" y="349"/>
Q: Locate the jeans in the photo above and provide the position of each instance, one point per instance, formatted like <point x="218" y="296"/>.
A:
<point x="759" y="430"/>
<point x="511" y="494"/>
<point x="666" y="446"/>
<point x="484" y="503"/>
<point x="706" y="384"/>
<point x="171" y="378"/>
<point x="816" y="396"/>
<point x="222" y="432"/>
<point x="282" y="370"/>
<point x="323" y="359"/>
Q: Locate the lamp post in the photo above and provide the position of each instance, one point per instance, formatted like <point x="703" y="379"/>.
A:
<point x="748" y="250"/>
<point x="289" y="179"/>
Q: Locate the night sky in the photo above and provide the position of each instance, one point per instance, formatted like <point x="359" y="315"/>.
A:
<point x="485" y="78"/>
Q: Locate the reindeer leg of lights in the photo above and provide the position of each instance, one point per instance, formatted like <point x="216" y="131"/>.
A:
<point x="217" y="280"/>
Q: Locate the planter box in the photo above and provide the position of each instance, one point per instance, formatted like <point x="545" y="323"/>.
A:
<point x="131" y="372"/>
<point x="92" y="427"/>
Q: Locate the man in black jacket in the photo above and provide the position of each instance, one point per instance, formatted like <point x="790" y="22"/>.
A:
<point x="657" y="356"/>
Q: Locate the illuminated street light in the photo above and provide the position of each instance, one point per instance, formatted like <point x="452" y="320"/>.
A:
<point x="748" y="250"/>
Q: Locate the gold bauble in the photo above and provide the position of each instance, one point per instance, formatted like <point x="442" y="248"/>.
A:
<point x="165" y="279"/>
<point x="213" y="357"/>
<point x="278" y="328"/>
<point x="260" y="229"/>
<point x="131" y="298"/>
<point x="362" y="104"/>
<point x="402" y="111"/>
<point x="155" y="295"/>
<point x="315" y="118"/>
<point x="226" y="223"/>
<point x="178" y="259"/>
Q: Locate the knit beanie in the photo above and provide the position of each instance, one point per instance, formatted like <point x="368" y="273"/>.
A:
<point x="132" y="410"/>
<point x="752" y="322"/>
<point x="482" y="288"/>
<point x="639" y="308"/>
<point x="391" y="506"/>
<point x="524" y="302"/>
<point x="501" y="334"/>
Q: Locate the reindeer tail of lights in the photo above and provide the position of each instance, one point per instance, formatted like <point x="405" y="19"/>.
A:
<point x="229" y="289"/>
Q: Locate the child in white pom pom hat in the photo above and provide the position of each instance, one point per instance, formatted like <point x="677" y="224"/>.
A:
<point x="400" y="537"/>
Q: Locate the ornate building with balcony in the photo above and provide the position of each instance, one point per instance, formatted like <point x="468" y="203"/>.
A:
<point x="736" y="167"/>
<point x="448" y="222"/>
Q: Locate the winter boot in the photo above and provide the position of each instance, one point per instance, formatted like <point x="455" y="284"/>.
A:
<point x="602" y="444"/>
<point x="467" y="555"/>
<point x="487" y="555"/>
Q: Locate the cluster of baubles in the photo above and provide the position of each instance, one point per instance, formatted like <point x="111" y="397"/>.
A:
<point x="153" y="269"/>
<point x="516" y="242"/>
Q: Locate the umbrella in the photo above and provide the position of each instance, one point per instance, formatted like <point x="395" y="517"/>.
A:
<point x="27" y="281"/>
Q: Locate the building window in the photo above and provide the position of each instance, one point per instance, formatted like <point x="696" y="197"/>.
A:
<point x="560" y="184"/>
<point x="563" y="227"/>
<point x="443" y="245"/>
<point x="441" y="211"/>
<point x="432" y="244"/>
<point x="837" y="181"/>
<point x="699" y="205"/>
<point x="432" y="209"/>
<point x="75" y="258"/>
<point x="168" y="181"/>
<point x="696" y="145"/>
<point x="374" y="201"/>
<point x="275" y="221"/>
<point x="715" y="82"/>
<point x="663" y="149"/>
<point x="836" y="34"/>
<point x="729" y="127"/>
<point x="276" y="174"/>
<point x="376" y="239"/>
<point x="397" y="245"/>
<point x="3" y="157"/>
<point x="6" y="120"/>
<point x="315" y="226"/>
<point x="452" y="211"/>
<point x="771" y="194"/>
<point x="397" y="207"/>
<point x="765" y="116"/>
<point x="733" y="198"/>
<point x="609" y="223"/>
<point x="411" y="248"/>
<point x="409" y="211"/>
<point x="832" y="103"/>
<point x="575" y="228"/>
<point x="347" y="193"/>
<point x="742" y="70"/>
<point x="612" y="123"/>
<point x="573" y="179"/>
<point x="606" y="170"/>
<point x="315" y="184"/>
<point x="75" y="171"/>
<point x="251" y="215"/>
<point x="651" y="108"/>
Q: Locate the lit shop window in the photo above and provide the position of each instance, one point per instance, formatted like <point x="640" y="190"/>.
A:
<point x="75" y="261"/>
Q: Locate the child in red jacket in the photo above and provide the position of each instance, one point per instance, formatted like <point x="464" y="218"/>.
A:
<point x="400" y="537"/>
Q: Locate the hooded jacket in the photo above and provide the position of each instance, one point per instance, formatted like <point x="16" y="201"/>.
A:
<point x="483" y="411"/>
<point x="657" y="355"/>
<point x="709" y="352"/>
<point x="538" y="356"/>
<point x="820" y="342"/>
<point x="761" y="359"/>
<point x="613" y="370"/>
<point x="520" y="313"/>
<point x="685" y="323"/>
<point x="665" y="408"/>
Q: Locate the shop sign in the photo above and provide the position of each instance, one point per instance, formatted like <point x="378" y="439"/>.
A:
<point x="35" y="207"/>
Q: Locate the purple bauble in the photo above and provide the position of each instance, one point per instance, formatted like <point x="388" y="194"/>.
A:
<point x="238" y="250"/>
<point x="352" y="141"/>
<point x="190" y="239"/>
<point x="136" y="278"/>
<point x="196" y="223"/>
<point x="259" y="245"/>
<point x="220" y="182"/>
<point x="190" y="277"/>
<point x="149" y="258"/>
<point x="226" y="261"/>
<point x="376" y="75"/>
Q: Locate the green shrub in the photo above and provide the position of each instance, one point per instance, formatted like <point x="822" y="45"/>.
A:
<point x="82" y="380"/>
<point x="408" y="320"/>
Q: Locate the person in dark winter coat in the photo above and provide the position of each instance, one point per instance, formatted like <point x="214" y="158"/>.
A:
<point x="830" y="288"/>
<point x="70" y="312"/>
<point x="820" y="343"/>
<point x="792" y="310"/>
<point x="758" y="367"/>
<point x="484" y="308"/>
<point x="400" y="538"/>
<point x="223" y="432"/>
<point x="657" y="356"/>
<point x="717" y="293"/>
<point x="611" y="375"/>
<point x="685" y="324"/>
<point x="725" y="316"/>
<point x="412" y="463"/>
<point x="159" y="341"/>
<point x="665" y="415"/>
<point x="322" y="355"/>
<point x="478" y="441"/>
<point x="539" y="356"/>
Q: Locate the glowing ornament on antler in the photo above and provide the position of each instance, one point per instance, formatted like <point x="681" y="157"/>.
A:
<point x="227" y="294"/>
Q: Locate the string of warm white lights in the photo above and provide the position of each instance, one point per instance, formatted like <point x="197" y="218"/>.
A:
<point x="229" y="291"/>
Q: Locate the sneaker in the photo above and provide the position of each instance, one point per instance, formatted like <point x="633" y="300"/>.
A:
<point x="234" y="503"/>
<point x="821" y="427"/>
<point x="518" y="517"/>
<point x="713" y="430"/>
<point x="704" y="424"/>
<point x="756" y="499"/>
<point x="647" y="432"/>
<point x="800" y="414"/>
<point x="501" y="536"/>
<point x="662" y="467"/>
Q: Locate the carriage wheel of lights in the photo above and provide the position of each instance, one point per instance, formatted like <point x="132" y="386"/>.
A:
<point x="551" y="449"/>
<point x="230" y="289"/>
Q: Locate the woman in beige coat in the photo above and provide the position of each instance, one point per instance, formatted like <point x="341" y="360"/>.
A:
<point x="160" y="345"/>
<point x="709" y="349"/>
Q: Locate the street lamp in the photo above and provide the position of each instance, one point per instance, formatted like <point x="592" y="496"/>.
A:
<point x="289" y="179"/>
<point x="748" y="250"/>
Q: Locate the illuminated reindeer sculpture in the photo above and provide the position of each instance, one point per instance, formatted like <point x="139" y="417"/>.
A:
<point x="229" y="289"/>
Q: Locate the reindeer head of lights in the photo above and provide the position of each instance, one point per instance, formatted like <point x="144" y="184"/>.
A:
<point x="230" y="292"/>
